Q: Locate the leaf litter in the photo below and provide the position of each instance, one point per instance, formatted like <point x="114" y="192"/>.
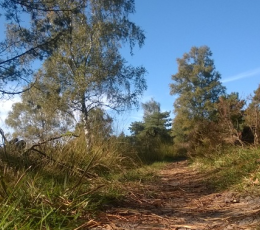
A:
<point x="180" y="199"/>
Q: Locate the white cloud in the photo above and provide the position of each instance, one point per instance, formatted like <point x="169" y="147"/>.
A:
<point x="239" y="76"/>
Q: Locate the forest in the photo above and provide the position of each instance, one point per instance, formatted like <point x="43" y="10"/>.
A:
<point x="63" y="162"/>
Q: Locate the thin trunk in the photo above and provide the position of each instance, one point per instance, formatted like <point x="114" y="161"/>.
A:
<point x="255" y="128"/>
<point x="5" y="142"/>
<point x="3" y="136"/>
<point x="86" y="124"/>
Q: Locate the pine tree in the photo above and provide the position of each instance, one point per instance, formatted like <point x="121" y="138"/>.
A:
<point x="155" y="124"/>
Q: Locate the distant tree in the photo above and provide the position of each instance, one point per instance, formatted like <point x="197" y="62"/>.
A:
<point x="198" y="87"/>
<point x="256" y="98"/>
<point x="155" y="123"/>
<point x="40" y="115"/>
<point x="151" y="137"/>
<point x="230" y="111"/>
<point x="230" y="117"/>
<point x="252" y="115"/>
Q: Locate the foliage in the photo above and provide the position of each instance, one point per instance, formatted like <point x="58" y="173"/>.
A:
<point x="252" y="115"/>
<point x="155" y="123"/>
<point x="86" y="71"/>
<point x="88" y="67"/>
<point x="232" y="168"/>
<point x="206" y="137"/>
<point x="33" y="30"/>
<point x="230" y="118"/>
<point x="198" y="87"/>
<point x="100" y="125"/>
<point x="152" y="133"/>
<point x="230" y="109"/>
<point x="41" y="114"/>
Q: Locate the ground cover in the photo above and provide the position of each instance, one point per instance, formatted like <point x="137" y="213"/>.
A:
<point x="181" y="197"/>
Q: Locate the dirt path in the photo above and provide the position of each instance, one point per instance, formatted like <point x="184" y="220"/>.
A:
<point x="180" y="199"/>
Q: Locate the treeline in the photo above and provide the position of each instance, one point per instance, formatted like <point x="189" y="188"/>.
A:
<point x="206" y="117"/>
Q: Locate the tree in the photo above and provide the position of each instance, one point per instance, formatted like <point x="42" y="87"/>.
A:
<point x="230" y="119"/>
<point x="252" y="115"/>
<point x="151" y="136"/>
<point x="230" y="111"/>
<point x="33" y="30"/>
<point x="100" y="125"/>
<point x="155" y="123"/>
<point x="136" y="128"/>
<point x="40" y="115"/>
<point x="198" y="87"/>
<point x="88" y="67"/>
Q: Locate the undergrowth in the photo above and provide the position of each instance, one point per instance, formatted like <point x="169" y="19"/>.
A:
<point x="232" y="168"/>
<point x="64" y="186"/>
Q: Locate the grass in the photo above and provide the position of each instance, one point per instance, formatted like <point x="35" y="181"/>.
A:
<point x="68" y="187"/>
<point x="65" y="187"/>
<point x="233" y="168"/>
<point x="45" y="203"/>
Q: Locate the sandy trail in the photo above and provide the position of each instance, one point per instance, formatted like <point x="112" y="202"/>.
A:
<point x="181" y="200"/>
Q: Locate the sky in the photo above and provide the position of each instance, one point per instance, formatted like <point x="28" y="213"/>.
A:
<point x="230" y="28"/>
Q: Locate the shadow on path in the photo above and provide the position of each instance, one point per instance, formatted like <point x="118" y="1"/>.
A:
<point x="180" y="199"/>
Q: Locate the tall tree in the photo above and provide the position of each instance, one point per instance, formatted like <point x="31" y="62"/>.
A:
<point x="198" y="87"/>
<point x="34" y="29"/>
<point x="88" y="66"/>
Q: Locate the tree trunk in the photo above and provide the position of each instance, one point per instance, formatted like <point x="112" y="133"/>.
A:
<point x="86" y="125"/>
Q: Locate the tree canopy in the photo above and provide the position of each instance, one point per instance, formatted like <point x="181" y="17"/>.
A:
<point x="40" y="115"/>
<point x="33" y="30"/>
<point x="155" y="124"/>
<point x="36" y="29"/>
<point x="87" y="68"/>
<point x="198" y="87"/>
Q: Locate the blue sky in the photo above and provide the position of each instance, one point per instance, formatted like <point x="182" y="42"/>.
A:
<point x="231" y="28"/>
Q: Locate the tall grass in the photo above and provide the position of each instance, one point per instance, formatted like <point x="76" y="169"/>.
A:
<point x="232" y="168"/>
<point x="150" y="150"/>
<point x="60" y="185"/>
